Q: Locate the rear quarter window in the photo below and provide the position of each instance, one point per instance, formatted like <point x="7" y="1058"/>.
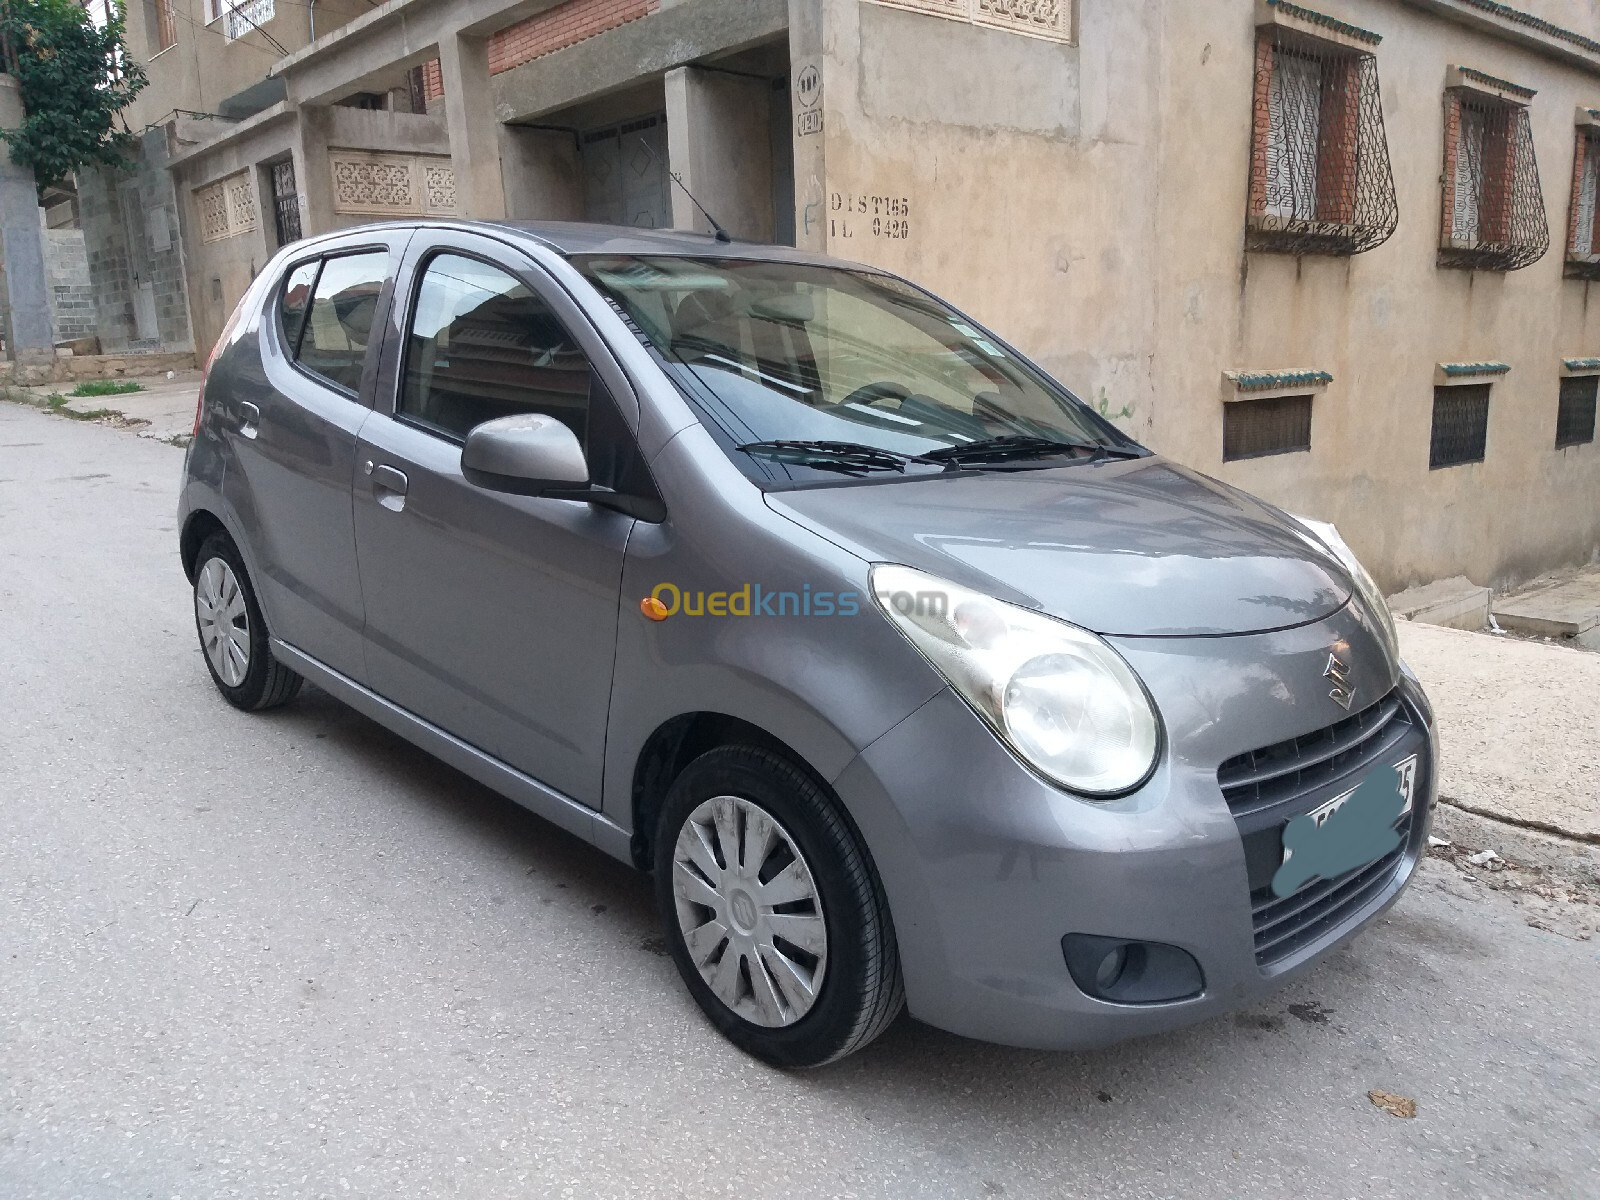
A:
<point x="338" y="325"/>
<point x="295" y="300"/>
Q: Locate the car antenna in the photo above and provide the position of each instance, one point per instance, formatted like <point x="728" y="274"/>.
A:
<point x="721" y="234"/>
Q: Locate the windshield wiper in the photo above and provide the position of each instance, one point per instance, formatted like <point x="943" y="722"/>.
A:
<point x="1017" y="446"/>
<point x="851" y="457"/>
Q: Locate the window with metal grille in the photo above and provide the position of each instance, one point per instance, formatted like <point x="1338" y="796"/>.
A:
<point x="1320" y="180"/>
<point x="1583" y="238"/>
<point x="285" y="203"/>
<point x="1494" y="217"/>
<point x="1266" y="425"/>
<point x="1460" y="425"/>
<point x="1575" y="410"/>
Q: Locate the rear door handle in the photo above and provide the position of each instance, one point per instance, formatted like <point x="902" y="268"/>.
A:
<point x="388" y="483"/>
<point x="249" y="419"/>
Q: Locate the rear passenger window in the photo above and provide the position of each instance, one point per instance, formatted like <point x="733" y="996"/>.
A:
<point x="334" y="343"/>
<point x="482" y="346"/>
<point x="296" y="299"/>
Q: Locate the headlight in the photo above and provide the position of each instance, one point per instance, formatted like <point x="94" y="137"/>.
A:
<point x="1061" y="698"/>
<point x="1326" y="537"/>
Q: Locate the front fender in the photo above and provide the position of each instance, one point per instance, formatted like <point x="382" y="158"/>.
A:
<point x="825" y="684"/>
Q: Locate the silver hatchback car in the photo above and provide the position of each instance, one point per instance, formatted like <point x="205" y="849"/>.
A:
<point x="915" y="682"/>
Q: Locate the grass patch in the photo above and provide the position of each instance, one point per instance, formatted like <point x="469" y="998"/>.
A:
<point x="107" y="387"/>
<point x="57" y="403"/>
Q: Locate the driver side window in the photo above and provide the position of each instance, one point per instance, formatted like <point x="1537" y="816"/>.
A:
<point x="482" y="345"/>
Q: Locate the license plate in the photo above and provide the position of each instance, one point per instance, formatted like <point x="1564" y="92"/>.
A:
<point x="1407" y="769"/>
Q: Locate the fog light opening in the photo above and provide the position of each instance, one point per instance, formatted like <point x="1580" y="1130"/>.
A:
<point x="1120" y="971"/>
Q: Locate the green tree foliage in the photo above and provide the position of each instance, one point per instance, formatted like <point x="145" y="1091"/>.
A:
<point x="74" y="78"/>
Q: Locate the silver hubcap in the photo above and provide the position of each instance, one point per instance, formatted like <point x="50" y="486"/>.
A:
<point x="749" y="911"/>
<point x="224" y="621"/>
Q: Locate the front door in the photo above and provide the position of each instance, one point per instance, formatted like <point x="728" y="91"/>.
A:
<point x="490" y="615"/>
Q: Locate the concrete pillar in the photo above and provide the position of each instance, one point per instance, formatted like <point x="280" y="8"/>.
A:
<point x="719" y="141"/>
<point x="474" y="130"/>
<point x="22" y="234"/>
<point x="809" y="71"/>
<point x="313" y="176"/>
<point x="543" y="176"/>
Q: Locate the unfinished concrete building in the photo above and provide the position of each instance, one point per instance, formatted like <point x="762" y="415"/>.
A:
<point x="1337" y="253"/>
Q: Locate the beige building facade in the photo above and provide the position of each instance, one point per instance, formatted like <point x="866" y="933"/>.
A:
<point x="1339" y="254"/>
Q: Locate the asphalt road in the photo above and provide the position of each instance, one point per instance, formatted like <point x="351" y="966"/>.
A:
<point x="289" y="955"/>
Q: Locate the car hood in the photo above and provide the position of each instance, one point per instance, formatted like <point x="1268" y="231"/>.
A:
<point x="1134" y="548"/>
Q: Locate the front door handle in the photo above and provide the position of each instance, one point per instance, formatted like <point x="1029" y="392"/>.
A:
<point x="249" y="419"/>
<point x="389" y="484"/>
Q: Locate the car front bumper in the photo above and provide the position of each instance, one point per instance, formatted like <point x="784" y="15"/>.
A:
<point x="987" y="867"/>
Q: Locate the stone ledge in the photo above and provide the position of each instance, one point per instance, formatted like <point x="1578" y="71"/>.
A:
<point x="94" y="366"/>
<point x="1456" y="603"/>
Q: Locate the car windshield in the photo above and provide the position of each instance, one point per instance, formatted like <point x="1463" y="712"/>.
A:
<point x="812" y="369"/>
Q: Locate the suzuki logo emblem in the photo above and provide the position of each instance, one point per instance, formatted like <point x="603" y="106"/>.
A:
<point x="1337" y="673"/>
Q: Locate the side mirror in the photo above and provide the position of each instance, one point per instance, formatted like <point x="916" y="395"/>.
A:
<point x="529" y="454"/>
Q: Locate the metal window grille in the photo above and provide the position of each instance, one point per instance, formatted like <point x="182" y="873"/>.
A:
<point x="1583" y="244"/>
<point x="1494" y="213"/>
<point x="242" y="16"/>
<point x="1320" y="179"/>
<point x="1576" y="410"/>
<point x="285" y="203"/>
<point x="1460" y="425"/>
<point x="1266" y="425"/>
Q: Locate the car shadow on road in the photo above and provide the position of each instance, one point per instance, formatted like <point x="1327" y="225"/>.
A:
<point x="549" y="857"/>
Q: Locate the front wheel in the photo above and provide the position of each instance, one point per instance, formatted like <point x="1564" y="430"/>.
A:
<point x="233" y="635"/>
<point x="775" y="916"/>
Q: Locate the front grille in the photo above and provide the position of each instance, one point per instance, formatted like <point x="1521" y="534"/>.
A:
<point x="1285" y="926"/>
<point x="1266" y="788"/>
<point x="1259" y="780"/>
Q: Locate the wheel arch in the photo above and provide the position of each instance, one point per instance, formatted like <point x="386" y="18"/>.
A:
<point x="200" y="525"/>
<point x="677" y="742"/>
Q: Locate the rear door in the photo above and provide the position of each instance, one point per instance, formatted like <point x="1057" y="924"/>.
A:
<point x="490" y="615"/>
<point x="293" y="428"/>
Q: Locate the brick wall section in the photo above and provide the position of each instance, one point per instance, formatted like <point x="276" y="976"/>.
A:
<point x="1452" y="148"/>
<point x="1585" y="149"/>
<point x="1261" y="122"/>
<point x="1340" y="129"/>
<point x="1499" y="175"/>
<point x="545" y="33"/>
<point x="1579" y="159"/>
<point x="559" y="27"/>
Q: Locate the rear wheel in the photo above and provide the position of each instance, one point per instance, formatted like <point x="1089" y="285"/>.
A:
<point x="774" y="913"/>
<point x="233" y="635"/>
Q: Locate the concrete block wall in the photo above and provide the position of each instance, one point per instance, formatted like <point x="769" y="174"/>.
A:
<point x="135" y="256"/>
<point x="66" y="264"/>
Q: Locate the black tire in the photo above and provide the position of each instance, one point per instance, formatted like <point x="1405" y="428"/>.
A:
<point x="862" y="992"/>
<point x="267" y="683"/>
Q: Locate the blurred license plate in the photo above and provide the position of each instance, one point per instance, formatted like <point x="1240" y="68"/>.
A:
<point x="1407" y="768"/>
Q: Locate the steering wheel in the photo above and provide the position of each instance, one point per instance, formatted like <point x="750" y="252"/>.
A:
<point x="871" y="393"/>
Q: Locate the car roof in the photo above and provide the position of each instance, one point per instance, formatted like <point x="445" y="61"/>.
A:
<point x="577" y="237"/>
<point x="569" y="238"/>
